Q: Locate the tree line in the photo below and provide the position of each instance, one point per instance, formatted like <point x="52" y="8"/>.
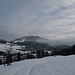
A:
<point x="65" y="51"/>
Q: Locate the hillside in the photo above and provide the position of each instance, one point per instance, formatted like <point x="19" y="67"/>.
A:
<point x="46" y="66"/>
<point x="30" y="38"/>
<point x="34" y="41"/>
<point x="37" y="41"/>
<point x="4" y="47"/>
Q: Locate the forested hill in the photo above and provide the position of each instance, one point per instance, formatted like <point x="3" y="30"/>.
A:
<point x="3" y="41"/>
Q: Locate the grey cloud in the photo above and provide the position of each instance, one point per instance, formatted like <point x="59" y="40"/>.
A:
<point x="53" y="19"/>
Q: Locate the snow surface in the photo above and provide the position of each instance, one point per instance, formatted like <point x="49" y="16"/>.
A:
<point x="59" y="65"/>
<point x="15" y="49"/>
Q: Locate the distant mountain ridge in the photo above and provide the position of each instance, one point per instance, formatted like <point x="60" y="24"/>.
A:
<point x="37" y="41"/>
<point x="29" y="38"/>
<point x="34" y="41"/>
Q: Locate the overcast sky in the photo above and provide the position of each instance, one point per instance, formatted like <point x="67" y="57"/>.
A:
<point x="52" y="19"/>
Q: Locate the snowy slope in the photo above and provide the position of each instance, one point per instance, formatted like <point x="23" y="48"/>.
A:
<point x="46" y="66"/>
<point x="4" y="47"/>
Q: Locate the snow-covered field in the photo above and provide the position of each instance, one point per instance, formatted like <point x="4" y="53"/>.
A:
<point x="4" y="47"/>
<point x="59" y="65"/>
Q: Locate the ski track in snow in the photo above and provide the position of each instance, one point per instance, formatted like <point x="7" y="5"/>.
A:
<point x="23" y="67"/>
<point x="27" y="69"/>
<point x="59" y="65"/>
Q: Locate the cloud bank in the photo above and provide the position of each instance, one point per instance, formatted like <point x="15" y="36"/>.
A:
<point x="52" y="19"/>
